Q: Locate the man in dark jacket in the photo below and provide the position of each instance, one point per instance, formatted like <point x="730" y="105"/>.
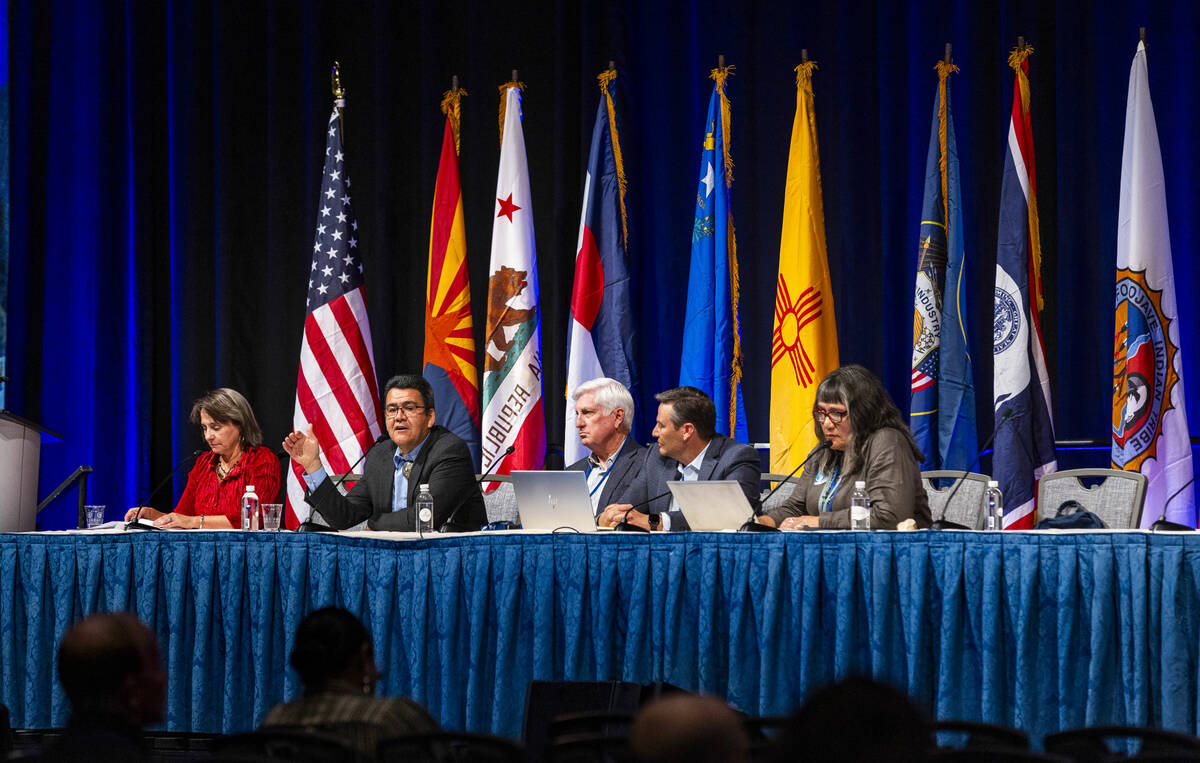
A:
<point x="689" y="449"/>
<point x="603" y="417"/>
<point x="420" y="452"/>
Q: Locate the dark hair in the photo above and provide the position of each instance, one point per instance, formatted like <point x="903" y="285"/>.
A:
<point x="411" y="381"/>
<point x="691" y="406"/>
<point x="97" y="654"/>
<point x="870" y="407"/>
<point x="228" y="406"/>
<point x="327" y="642"/>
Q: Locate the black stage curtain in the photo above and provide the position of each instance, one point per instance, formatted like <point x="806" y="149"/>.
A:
<point x="166" y="159"/>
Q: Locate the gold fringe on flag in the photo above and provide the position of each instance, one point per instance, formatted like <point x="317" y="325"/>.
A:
<point x="944" y="70"/>
<point x="504" y="103"/>
<point x="804" y="77"/>
<point x="719" y="75"/>
<point x="452" y="108"/>
<point x="1017" y="59"/>
<point x="606" y="77"/>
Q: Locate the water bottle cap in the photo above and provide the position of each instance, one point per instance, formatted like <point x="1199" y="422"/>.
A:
<point x="993" y="483"/>
<point x="249" y="488"/>
<point x="860" y="485"/>
<point x="424" y="488"/>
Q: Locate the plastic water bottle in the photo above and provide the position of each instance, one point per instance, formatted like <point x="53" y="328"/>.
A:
<point x="993" y="501"/>
<point x="860" y="507"/>
<point x="249" y="509"/>
<point x="424" y="510"/>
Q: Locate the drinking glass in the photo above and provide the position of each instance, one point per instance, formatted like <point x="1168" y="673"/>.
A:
<point x="271" y="513"/>
<point x="95" y="516"/>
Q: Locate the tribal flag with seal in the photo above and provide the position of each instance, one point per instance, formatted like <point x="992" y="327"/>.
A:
<point x="336" y="390"/>
<point x="600" y="341"/>
<point x="712" y="345"/>
<point x="449" y="363"/>
<point x="512" y="366"/>
<point x="1150" y="432"/>
<point x="804" y="343"/>
<point x="1021" y="387"/>
<point x="942" y="402"/>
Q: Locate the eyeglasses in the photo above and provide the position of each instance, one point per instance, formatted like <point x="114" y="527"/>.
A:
<point x="392" y="411"/>
<point x="836" y="416"/>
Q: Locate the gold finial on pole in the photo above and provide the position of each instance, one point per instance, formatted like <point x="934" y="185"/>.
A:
<point x="335" y="79"/>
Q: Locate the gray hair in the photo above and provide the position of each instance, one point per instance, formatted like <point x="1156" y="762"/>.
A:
<point x="228" y="406"/>
<point x="610" y="395"/>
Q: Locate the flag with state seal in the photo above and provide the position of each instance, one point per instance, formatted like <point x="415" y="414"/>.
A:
<point x="1149" y="423"/>
<point x="1021" y="386"/>
<point x="942" y="397"/>
<point x="512" y="366"/>
<point x="600" y="339"/>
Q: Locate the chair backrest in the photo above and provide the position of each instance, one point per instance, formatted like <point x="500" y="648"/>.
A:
<point x="501" y="503"/>
<point x="293" y="743"/>
<point x="1118" y="501"/>
<point x="1106" y="742"/>
<point x="967" y="509"/>
<point x="782" y="494"/>
<point x="450" y="747"/>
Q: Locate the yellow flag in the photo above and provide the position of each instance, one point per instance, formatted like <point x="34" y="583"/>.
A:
<point x="804" y="342"/>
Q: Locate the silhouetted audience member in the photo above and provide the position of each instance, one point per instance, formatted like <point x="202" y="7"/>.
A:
<point x="688" y="727"/>
<point x="336" y="662"/>
<point x="113" y="675"/>
<point x="856" y="719"/>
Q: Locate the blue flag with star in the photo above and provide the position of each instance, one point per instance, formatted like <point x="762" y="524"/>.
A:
<point x="712" y="357"/>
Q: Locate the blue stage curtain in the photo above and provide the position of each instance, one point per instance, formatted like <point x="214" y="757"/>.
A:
<point x="166" y="160"/>
<point x="1039" y="631"/>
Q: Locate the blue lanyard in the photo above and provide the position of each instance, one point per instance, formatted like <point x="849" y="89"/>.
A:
<point x="603" y="477"/>
<point x="831" y="487"/>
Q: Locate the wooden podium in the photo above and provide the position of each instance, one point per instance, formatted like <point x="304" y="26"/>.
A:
<point x="20" y="455"/>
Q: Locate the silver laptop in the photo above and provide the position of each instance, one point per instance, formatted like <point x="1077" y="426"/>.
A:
<point x="712" y="505"/>
<point x="550" y="500"/>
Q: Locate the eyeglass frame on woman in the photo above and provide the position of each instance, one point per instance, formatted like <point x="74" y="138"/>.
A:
<point x="833" y="414"/>
<point x="409" y="408"/>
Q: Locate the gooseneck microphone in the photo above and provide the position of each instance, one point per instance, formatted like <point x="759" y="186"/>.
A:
<point x="450" y="526"/>
<point x="309" y="526"/>
<point x="1163" y="524"/>
<point x="133" y="523"/>
<point x="943" y="524"/>
<point x="626" y="526"/>
<point x="750" y="525"/>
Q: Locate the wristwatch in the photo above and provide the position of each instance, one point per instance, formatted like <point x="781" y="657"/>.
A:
<point x="654" y="520"/>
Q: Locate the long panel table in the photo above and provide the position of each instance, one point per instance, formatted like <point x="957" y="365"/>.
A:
<point x="1043" y="631"/>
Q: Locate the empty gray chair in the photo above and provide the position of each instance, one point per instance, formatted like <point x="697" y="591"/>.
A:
<point x="501" y="503"/>
<point x="782" y="494"/>
<point x="1118" y="501"/>
<point x="968" y="509"/>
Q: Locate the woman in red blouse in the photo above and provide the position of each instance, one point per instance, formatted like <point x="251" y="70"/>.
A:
<point x="213" y="496"/>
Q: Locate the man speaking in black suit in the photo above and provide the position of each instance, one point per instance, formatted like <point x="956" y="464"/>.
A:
<point x="420" y="452"/>
<point x="689" y="449"/>
<point x="603" y="417"/>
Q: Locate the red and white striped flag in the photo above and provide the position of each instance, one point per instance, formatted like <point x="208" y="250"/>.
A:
<point x="336" y="390"/>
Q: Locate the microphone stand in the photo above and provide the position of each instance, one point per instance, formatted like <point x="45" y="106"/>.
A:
<point x="944" y="524"/>
<point x="450" y="526"/>
<point x="1163" y="524"/>
<point x="309" y="526"/>
<point x="133" y="524"/>
<point x="752" y="526"/>
<point x="626" y="526"/>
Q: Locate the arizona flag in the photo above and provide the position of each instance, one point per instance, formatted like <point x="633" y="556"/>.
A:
<point x="512" y="370"/>
<point x="942" y="402"/>
<point x="449" y="363"/>
<point x="601" y="337"/>
<point x="1150" y="431"/>
<point x="1021" y="387"/>
<point x="712" y="349"/>
<point x="804" y="343"/>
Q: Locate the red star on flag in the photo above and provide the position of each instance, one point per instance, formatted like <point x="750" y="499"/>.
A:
<point x="507" y="208"/>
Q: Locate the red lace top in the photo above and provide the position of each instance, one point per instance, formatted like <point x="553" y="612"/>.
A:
<point x="209" y="495"/>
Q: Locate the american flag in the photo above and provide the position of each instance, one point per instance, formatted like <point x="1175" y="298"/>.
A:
<point x="336" y="390"/>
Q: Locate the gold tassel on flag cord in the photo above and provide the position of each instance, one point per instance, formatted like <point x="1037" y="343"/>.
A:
<point x="719" y="75"/>
<point x="1017" y="57"/>
<point x="504" y="100"/>
<point x="944" y="70"/>
<point x="605" y="78"/>
<point x="452" y="108"/>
